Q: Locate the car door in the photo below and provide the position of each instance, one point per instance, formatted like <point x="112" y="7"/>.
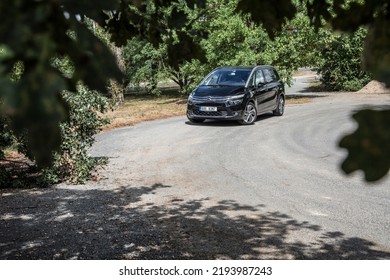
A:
<point x="261" y="90"/>
<point x="271" y="88"/>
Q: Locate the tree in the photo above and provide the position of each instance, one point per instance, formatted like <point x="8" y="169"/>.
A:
<point x="341" y="68"/>
<point x="297" y="44"/>
<point x="147" y="64"/>
<point x="159" y="38"/>
<point x="232" y="38"/>
<point x="144" y="63"/>
<point x="223" y="45"/>
<point x="116" y="88"/>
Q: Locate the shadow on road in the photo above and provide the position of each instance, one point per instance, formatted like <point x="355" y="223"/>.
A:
<point x="118" y="224"/>
<point x="228" y="123"/>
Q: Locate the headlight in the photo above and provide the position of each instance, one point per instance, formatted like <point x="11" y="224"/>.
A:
<point x="190" y="96"/>
<point x="235" y="100"/>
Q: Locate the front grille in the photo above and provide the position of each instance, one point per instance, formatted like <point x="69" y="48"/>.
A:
<point x="209" y="114"/>
<point x="202" y="99"/>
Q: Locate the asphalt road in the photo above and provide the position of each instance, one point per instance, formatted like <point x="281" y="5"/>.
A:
<point x="287" y="165"/>
<point x="218" y="190"/>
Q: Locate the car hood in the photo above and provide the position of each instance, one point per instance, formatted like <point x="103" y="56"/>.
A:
<point x="218" y="90"/>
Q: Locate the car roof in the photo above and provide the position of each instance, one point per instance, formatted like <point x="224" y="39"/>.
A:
<point x="235" y="67"/>
<point x="242" y="67"/>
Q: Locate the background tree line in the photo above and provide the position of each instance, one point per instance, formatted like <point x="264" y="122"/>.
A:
<point x="56" y="56"/>
<point x="234" y="39"/>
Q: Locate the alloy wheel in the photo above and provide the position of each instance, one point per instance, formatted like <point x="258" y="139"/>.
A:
<point x="250" y="114"/>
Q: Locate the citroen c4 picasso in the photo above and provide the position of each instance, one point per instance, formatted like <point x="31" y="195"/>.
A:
<point x="237" y="93"/>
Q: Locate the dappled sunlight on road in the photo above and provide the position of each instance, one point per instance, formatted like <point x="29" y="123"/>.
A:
<point x="73" y="223"/>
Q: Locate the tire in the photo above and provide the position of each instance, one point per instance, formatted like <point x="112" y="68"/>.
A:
<point x="250" y="114"/>
<point x="280" y="107"/>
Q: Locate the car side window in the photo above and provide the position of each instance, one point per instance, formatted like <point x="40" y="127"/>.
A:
<point x="276" y="75"/>
<point x="251" y="82"/>
<point x="268" y="75"/>
<point x="259" y="77"/>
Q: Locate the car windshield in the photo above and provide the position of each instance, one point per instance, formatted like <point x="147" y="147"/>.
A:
<point x="227" y="77"/>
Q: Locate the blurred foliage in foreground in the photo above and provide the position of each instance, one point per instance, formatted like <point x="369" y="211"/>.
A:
<point x="32" y="34"/>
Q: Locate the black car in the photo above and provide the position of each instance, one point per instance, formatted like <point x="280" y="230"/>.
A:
<point x="237" y="93"/>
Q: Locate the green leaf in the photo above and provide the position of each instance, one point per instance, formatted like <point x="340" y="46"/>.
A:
<point x="368" y="147"/>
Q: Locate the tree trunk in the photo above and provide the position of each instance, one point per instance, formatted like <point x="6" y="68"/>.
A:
<point x="117" y="88"/>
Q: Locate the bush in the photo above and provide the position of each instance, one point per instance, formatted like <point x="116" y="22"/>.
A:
<point x="5" y="141"/>
<point x="6" y="137"/>
<point x="342" y="67"/>
<point x="72" y="162"/>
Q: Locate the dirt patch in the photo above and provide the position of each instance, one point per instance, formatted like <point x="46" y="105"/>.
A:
<point x="374" y="87"/>
<point x="138" y="109"/>
<point x="298" y="100"/>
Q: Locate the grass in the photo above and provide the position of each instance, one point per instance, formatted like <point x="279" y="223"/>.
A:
<point x="298" y="100"/>
<point x="139" y="108"/>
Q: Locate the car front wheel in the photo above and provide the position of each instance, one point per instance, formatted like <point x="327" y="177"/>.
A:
<point x="250" y="114"/>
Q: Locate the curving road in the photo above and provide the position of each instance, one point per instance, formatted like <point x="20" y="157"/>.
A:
<point x="284" y="166"/>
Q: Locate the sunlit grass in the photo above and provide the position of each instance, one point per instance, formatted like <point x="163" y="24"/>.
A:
<point x="298" y="100"/>
<point x="138" y="109"/>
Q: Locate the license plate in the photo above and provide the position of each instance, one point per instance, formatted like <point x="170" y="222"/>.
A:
<point x="207" y="109"/>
